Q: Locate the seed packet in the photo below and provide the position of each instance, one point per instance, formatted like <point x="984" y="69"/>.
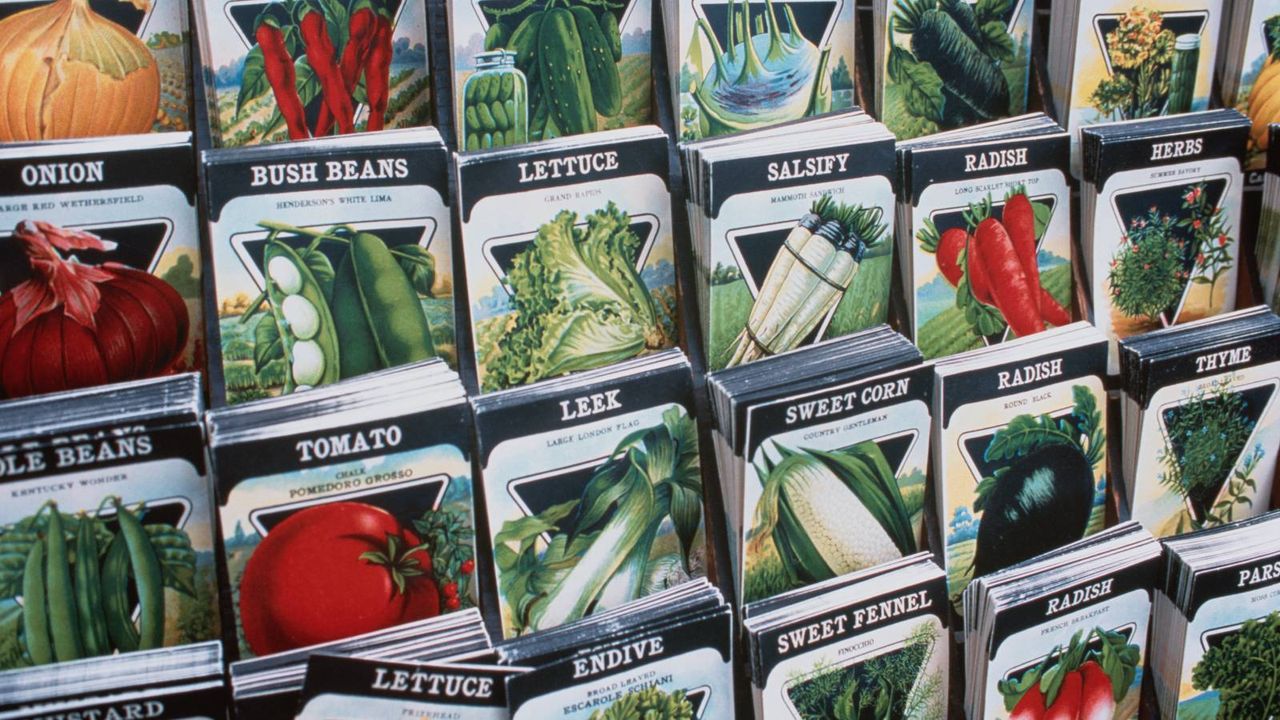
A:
<point x="121" y="211"/>
<point x="568" y="254"/>
<point x="81" y="69"/>
<point x="822" y="456"/>
<point x="1246" y="71"/>
<point x="593" y="490"/>
<point x="107" y="504"/>
<point x="1216" y="629"/>
<point x="339" y="686"/>
<point x="1065" y="634"/>
<point x="878" y="640"/>
<point x="330" y="261"/>
<point x="1267" y="243"/>
<point x="792" y="233"/>
<point x="943" y="64"/>
<point x="1113" y="60"/>
<point x="738" y="66"/>
<point x="1202" y="422"/>
<point x="355" y="497"/>
<point x="1028" y="414"/>
<point x="181" y="683"/>
<point x="282" y="70"/>
<point x="1000" y="187"/>
<point x="1161" y="200"/>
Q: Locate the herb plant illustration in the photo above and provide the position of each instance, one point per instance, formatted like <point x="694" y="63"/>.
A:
<point x="1141" y="52"/>
<point x="1244" y="669"/>
<point x="651" y="703"/>
<point x="1085" y="679"/>
<point x="1203" y="441"/>
<point x="651" y="478"/>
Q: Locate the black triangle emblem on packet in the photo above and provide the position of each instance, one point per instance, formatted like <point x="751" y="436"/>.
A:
<point x="1191" y="22"/>
<point x="408" y="501"/>
<point x="699" y="698"/>
<point x="121" y="13"/>
<point x="500" y="252"/>
<point x="754" y="249"/>
<point x="1211" y="639"/>
<point x="138" y="244"/>
<point x="535" y="494"/>
<point x="815" y="20"/>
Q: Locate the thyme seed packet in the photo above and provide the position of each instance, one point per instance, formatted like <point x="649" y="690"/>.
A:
<point x="984" y="234"/>
<point x="1161" y="200"/>
<point x="1201" y="402"/>
<point x="345" y="510"/>
<point x="112" y="221"/>
<point x="331" y="259"/>
<point x="568" y="257"/>
<point x="1019" y="450"/>
<point x="792" y="233"/>
<point x="593" y="490"/>
<point x="1216" y="637"/>
<point x="107" y="500"/>
<point x="876" y="640"/>
<point x="1247" y="69"/>
<point x="1120" y="60"/>
<point x="339" y="686"/>
<point x="1065" y="632"/>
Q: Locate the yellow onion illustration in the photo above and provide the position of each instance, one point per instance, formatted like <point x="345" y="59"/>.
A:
<point x="66" y="71"/>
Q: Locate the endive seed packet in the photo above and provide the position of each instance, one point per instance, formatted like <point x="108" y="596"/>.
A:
<point x="107" y="503"/>
<point x="1248" y="71"/>
<point x="331" y="259"/>
<point x="593" y="490"/>
<point x="337" y="685"/>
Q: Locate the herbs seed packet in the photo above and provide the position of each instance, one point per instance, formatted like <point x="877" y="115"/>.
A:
<point x="1161" y="200"/>
<point x="945" y="64"/>
<point x="738" y="66"/>
<point x="287" y="70"/>
<point x="593" y="490"/>
<point x="84" y="68"/>
<point x="1247" y="71"/>
<point x="101" y="262"/>
<point x="345" y="510"/>
<point x="1114" y="60"/>
<point x="1065" y="634"/>
<point x="985" y="234"/>
<point x="568" y="255"/>
<point x="331" y="260"/>
<point x="1216" y="631"/>
<point x="1019" y="450"/>
<point x="793" y="235"/>
<point x="340" y="686"/>
<point x="107" y="502"/>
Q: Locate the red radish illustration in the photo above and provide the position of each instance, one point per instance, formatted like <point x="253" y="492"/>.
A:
<point x="1031" y="706"/>
<point x="950" y="245"/>
<point x="1020" y="220"/>
<point x="1096" y="701"/>
<point x="1067" y="705"/>
<point x="1013" y="293"/>
<point x="1071" y="682"/>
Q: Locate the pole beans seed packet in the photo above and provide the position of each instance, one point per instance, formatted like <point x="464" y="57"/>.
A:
<point x="99" y="263"/>
<point x="329" y="262"/>
<point x="568" y="255"/>
<point x="107" y="505"/>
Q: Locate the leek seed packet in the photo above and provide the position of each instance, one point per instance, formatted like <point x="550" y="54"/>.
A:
<point x="1248" y="68"/>
<point x="330" y="261"/>
<point x="568" y="255"/>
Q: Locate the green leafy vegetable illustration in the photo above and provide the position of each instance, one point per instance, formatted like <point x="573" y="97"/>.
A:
<point x="1245" y="670"/>
<point x="1203" y="441"/>
<point x="1141" y="53"/>
<point x="650" y="703"/>
<point x="1147" y="276"/>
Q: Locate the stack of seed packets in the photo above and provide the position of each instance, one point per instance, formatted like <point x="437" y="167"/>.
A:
<point x="1065" y="634"/>
<point x="1019" y="450"/>
<point x="792" y="234"/>
<point x="345" y="510"/>
<point x="664" y="656"/>
<point x="593" y="490"/>
<point x="1201" y="421"/>
<point x="943" y="64"/>
<point x="270" y="688"/>
<point x="822" y="455"/>
<point x="1114" y="60"/>
<point x="112" y="221"/>
<point x="984" y="233"/>
<point x="1248" y="72"/>
<point x="162" y="684"/>
<point x="870" y="644"/>
<point x="1161" y="208"/>
<point x="331" y="259"/>
<point x="741" y="66"/>
<point x="568" y="254"/>
<point x="107" y="503"/>
<point x="1216" y="631"/>
<point x="1267" y="243"/>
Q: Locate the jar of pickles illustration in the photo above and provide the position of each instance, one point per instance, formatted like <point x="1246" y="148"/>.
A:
<point x="1182" y="75"/>
<point x="495" y="103"/>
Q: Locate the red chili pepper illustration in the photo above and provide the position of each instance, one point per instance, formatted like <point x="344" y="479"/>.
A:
<point x="280" y="74"/>
<point x="322" y="58"/>
<point x="360" y="30"/>
<point x="377" y="77"/>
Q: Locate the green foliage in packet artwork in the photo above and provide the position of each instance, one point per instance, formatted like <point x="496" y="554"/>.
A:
<point x="1242" y="669"/>
<point x="646" y="703"/>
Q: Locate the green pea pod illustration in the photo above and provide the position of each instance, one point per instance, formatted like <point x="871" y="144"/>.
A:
<point x="88" y="583"/>
<point x="563" y="69"/>
<point x="35" y="613"/>
<point x="303" y="318"/>
<point x="116" y="608"/>
<point x="148" y="579"/>
<point x="60" y="595"/>
<point x="602" y="69"/>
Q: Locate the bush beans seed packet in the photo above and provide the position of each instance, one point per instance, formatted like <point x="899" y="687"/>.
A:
<point x="331" y="259"/>
<point x="288" y="70"/>
<point x="568" y="255"/>
<point x="945" y="64"/>
<point x="121" y="213"/>
<point x="1115" y="60"/>
<point x="1247" y="69"/>
<point x="593" y="490"/>
<point x="340" y="686"/>
<point x="1007" y="421"/>
<point x="793" y="235"/>
<point x="1161" y="201"/>
<point x="109" y="484"/>
<point x="356" y="497"/>
<point x="995" y="196"/>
